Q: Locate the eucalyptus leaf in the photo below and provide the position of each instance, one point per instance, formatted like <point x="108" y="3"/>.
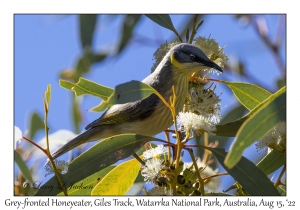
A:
<point x="36" y="123"/>
<point x="282" y="190"/>
<point x="119" y="180"/>
<point x="85" y="186"/>
<point x="87" y="27"/>
<point x="84" y="86"/>
<point x="129" y="24"/>
<point x="231" y="129"/>
<point x="76" y="113"/>
<point x="126" y="92"/>
<point x="264" y="119"/>
<point x="163" y="20"/>
<point x="271" y="162"/>
<point x="22" y="166"/>
<point x="253" y="180"/>
<point x="249" y="95"/>
<point x="84" y="63"/>
<point x="48" y="95"/>
<point x="101" y="155"/>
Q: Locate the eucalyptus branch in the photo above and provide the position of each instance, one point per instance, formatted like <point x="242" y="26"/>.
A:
<point x="51" y="161"/>
<point x="206" y="152"/>
<point x="169" y="149"/>
<point x="194" y="29"/>
<point x="201" y="186"/>
<point x="221" y="174"/>
<point x="47" y="150"/>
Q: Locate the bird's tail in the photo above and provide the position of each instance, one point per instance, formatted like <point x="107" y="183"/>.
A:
<point x="80" y="139"/>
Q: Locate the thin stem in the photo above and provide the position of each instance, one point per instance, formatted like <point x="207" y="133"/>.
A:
<point x="170" y="131"/>
<point x="52" y="163"/>
<point x="48" y="150"/>
<point x="163" y="100"/>
<point x="138" y="159"/>
<point x="178" y="36"/>
<point x="201" y="187"/>
<point x="178" y="142"/>
<point x="194" y="29"/>
<point x="221" y="174"/>
<point x="174" y="114"/>
<point x="43" y="150"/>
<point x="206" y="152"/>
<point x="216" y="80"/>
<point x="169" y="148"/>
<point x="57" y="176"/>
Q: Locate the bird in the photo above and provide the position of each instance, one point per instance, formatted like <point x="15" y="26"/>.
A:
<point x="150" y="115"/>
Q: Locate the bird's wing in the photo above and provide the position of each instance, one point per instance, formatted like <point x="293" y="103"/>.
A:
<point x="128" y="112"/>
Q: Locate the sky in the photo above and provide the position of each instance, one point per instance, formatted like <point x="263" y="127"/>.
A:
<point x="46" y="44"/>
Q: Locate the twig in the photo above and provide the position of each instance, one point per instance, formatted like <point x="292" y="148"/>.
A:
<point x="201" y="181"/>
<point x="194" y="31"/>
<point x="169" y="149"/>
<point x="221" y="174"/>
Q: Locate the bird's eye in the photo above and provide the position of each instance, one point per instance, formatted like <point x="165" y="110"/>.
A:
<point x="192" y="57"/>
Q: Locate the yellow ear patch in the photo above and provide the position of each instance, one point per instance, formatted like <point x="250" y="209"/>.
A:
<point x="174" y="61"/>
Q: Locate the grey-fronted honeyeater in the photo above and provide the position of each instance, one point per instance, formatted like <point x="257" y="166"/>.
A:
<point x="149" y="116"/>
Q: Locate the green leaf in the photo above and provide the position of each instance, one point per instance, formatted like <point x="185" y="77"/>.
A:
<point x="23" y="167"/>
<point x="126" y="92"/>
<point x="282" y="190"/>
<point x="249" y="95"/>
<point x="231" y="129"/>
<point x="48" y="95"/>
<point x="119" y="180"/>
<point x="87" y="27"/>
<point x="235" y="113"/>
<point x="271" y="162"/>
<point x="36" y="123"/>
<point x="164" y="21"/>
<point x="269" y="113"/>
<point x="76" y="114"/>
<point x="84" y="63"/>
<point x="101" y="155"/>
<point x="97" y="57"/>
<point x="130" y="22"/>
<point x="85" y="186"/>
<point x="85" y="86"/>
<point x="253" y="180"/>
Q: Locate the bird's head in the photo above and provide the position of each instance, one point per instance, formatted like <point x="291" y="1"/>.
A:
<point x="186" y="59"/>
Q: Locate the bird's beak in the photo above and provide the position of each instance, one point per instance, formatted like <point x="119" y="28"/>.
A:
<point x="213" y="65"/>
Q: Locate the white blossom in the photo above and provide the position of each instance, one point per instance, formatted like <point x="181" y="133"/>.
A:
<point x="61" y="166"/>
<point x="154" y="152"/>
<point x="212" y="50"/>
<point x="151" y="169"/>
<point x="196" y="123"/>
<point x="275" y="136"/>
<point x="205" y="102"/>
